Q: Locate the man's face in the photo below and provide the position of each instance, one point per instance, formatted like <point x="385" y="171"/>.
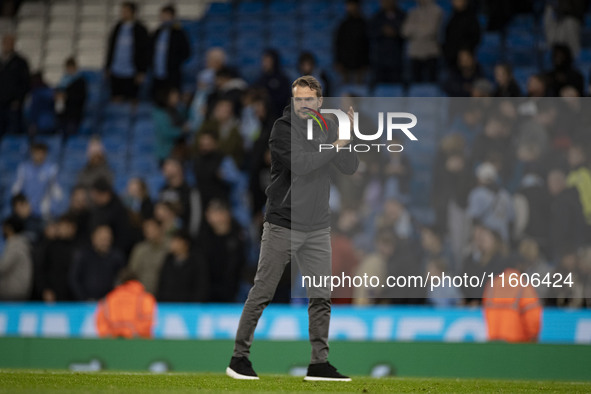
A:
<point x="102" y="238"/>
<point x="79" y="200"/>
<point x="126" y="13"/>
<point x="166" y="17"/>
<point x="267" y="63"/>
<point x="171" y="169"/>
<point x="66" y="230"/>
<point x="465" y="60"/>
<point x="152" y="231"/>
<point x="207" y="144"/>
<point x="304" y="97"/>
<point x="306" y="67"/>
<point x="38" y="156"/>
<point x="99" y="198"/>
<point x="223" y="111"/>
<point x="178" y="246"/>
<point x="217" y="216"/>
<point x="22" y="209"/>
<point x="7" y="44"/>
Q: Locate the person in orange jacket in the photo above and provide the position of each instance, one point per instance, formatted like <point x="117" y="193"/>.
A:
<point x="512" y="314"/>
<point x="127" y="311"/>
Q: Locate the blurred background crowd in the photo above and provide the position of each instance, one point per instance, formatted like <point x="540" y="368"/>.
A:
<point x="124" y="144"/>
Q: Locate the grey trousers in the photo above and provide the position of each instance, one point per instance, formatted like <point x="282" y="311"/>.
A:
<point x="311" y="251"/>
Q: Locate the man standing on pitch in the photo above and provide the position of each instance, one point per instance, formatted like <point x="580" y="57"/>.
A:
<point x="299" y="180"/>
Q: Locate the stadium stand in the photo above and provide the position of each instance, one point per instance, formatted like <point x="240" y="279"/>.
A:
<point x="50" y="31"/>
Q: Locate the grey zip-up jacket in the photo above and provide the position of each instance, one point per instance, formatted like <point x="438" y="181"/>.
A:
<point x="298" y="195"/>
<point x="16" y="270"/>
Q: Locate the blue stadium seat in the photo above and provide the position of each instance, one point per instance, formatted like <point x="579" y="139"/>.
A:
<point x="370" y="7"/>
<point x="118" y="163"/>
<point x="314" y="8"/>
<point x="585" y="56"/>
<point x="17" y="144"/>
<point x="521" y="58"/>
<point x="88" y="126"/>
<point x="116" y="126"/>
<point x="522" y="21"/>
<point x="77" y="142"/>
<point x="92" y="77"/>
<point x="143" y="165"/>
<point x="218" y="40"/>
<point x="446" y="6"/>
<point x="482" y="20"/>
<point x="357" y="90"/>
<point x="289" y="55"/>
<point x="249" y="25"/>
<point x="219" y="9"/>
<point x="54" y="143"/>
<point x="120" y="183"/>
<point x="118" y="110"/>
<point x="521" y="39"/>
<point x="425" y="90"/>
<point x="143" y="149"/>
<point x="282" y="8"/>
<point x="489" y="57"/>
<point x="154" y="181"/>
<point x="8" y="169"/>
<point x="388" y="90"/>
<point x="250" y="8"/>
<point x="406" y="5"/>
<point x="114" y="142"/>
<point x="217" y="25"/>
<point x="491" y="40"/>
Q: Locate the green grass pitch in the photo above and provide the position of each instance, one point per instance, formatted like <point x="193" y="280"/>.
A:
<point x="41" y="381"/>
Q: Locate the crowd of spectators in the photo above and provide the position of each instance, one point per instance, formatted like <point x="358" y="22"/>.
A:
<point x="511" y="182"/>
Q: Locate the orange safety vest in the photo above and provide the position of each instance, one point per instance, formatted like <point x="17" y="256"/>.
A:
<point x="127" y="311"/>
<point x="512" y="314"/>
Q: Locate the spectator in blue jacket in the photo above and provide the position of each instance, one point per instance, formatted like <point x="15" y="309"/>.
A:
<point x="169" y="48"/>
<point x="387" y="43"/>
<point x="40" y="109"/>
<point x="37" y="180"/>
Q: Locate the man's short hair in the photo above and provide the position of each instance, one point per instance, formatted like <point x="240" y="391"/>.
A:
<point x="102" y="185"/>
<point x="131" y="5"/>
<point x="310" y="82"/>
<point x="126" y="274"/>
<point x="218" y="204"/>
<point x="307" y="56"/>
<point x="17" y="199"/>
<point x="183" y="235"/>
<point x="71" y="62"/>
<point x="67" y="218"/>
<point x="39" y="146"/>
<point x="152" y="219"/>
<point x="169" y="9"/>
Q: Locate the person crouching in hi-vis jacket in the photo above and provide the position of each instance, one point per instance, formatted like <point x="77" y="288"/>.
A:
<point x="127" y="311"/>
<point x="512" y="314"/>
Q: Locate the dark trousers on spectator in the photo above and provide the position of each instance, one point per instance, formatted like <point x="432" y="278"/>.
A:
<point x="311" y="251"/>
<point x="424" y="70"/>
<point x="10" y="120"/>
<point x="124" y="88"/>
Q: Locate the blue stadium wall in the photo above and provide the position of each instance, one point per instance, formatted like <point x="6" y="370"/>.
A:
<point x="376" y="341"/>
